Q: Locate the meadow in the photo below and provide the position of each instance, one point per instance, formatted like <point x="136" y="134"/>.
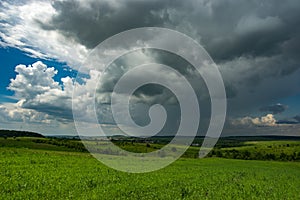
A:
<point x="31" y="170"/>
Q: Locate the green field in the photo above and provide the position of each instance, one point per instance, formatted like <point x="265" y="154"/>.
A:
<point x="31" y="170"/>
<point x="261" y="150"/>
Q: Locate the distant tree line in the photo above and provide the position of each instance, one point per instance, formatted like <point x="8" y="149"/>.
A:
<point x="10" y="133"/>
<point x="254" y="155"/>
<point x="70" y="144"/>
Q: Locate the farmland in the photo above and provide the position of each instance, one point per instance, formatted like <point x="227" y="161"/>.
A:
<point x="59" y="169"/>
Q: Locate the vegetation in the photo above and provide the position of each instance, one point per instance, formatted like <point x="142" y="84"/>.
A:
<point x="235" y="149"/>
<point x="10" y="133"/>
<point x="261" y="150"/>
<point x="58" y="168"/>
<point x="32" y="174"/>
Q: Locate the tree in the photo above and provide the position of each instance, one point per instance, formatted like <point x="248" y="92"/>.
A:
<point x="283" y="156"/>
<point x="219" y="154"/>
<point x="247" y="154"/>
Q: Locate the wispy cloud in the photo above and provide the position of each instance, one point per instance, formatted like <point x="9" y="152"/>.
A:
<point x="20" y="27"/>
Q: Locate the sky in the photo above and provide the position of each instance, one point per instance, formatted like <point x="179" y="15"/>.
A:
<point x="44" y="44"/>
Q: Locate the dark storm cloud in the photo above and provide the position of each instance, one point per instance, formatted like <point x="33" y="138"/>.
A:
<point x="290" y="121"/>
<point x="150" y="94"/>
<point x="274" y="109"/>
<point x="287" y="122"/>
<point x="228" y="29"/>
<point x="297" y="118"/>
<point x="91" y="22"/>
<point x="63" y="112"/>
<point x="255" y="43"/>
<point x="115" y="71"/>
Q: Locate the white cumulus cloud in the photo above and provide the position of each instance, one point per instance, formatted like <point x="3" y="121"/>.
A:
<point x="268" y="120"/>
<point x="36" y="89"/>
<point x="21" y="27"/>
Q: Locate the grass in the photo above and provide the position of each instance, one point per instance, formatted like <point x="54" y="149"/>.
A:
<point x="30" y="143"/>
<point x="35" y="173"/>
<point x="281" y="150"/>
<point x="262" y="150"/>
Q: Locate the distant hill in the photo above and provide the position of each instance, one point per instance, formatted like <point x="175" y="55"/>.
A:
<point x="262" y="138"/>
<point x="11" y="133"/>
